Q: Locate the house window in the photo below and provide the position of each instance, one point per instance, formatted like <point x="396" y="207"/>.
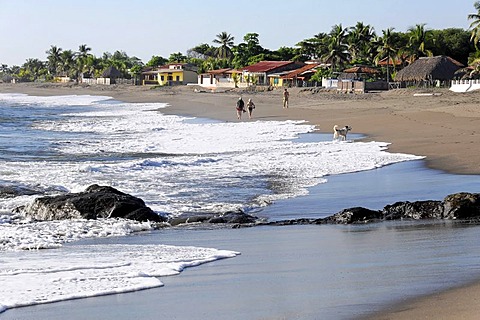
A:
<point x="162" y="78"/>
<point x="178" y="78"/>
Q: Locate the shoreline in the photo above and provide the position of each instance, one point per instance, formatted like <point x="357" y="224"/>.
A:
<point x="444" y="128"/>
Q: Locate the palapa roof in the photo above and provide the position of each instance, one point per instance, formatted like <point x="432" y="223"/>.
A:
<point x="111" y="72"/>
<point x="429" y="68"/>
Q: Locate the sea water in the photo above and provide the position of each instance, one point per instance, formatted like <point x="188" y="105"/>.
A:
<point x="52" y="145"/>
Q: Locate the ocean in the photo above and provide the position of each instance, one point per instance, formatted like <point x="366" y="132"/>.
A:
<point x="177" y="165"/>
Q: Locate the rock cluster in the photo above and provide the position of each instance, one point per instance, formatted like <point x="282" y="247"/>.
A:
<point x="106" y="202"/>
<point x="460" y="206"/>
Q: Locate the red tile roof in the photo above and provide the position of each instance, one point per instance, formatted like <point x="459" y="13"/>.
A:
<point x="296" y="72"/>
<point x="265" y="66"/>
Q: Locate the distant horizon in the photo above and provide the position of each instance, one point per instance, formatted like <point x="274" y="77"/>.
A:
<point x="28" y="28"/>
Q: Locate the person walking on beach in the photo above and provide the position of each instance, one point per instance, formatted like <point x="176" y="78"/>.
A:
<point x="286" y="94"/>
<point x="250" y="107"/>
<point x="240" y="107"/>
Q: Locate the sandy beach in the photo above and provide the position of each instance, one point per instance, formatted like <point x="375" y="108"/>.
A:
<point x="435" y="123"/>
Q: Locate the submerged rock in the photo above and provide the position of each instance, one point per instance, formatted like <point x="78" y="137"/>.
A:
<point x="231" y="217"/>
<point x="414" y="210"/>
<point x="461" y="205"/>
<point x="354" y="215"/>
<point x="95" y="202"/>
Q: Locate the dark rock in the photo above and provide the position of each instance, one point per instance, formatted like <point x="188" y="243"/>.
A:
<point x="290" y="222"/>
<point x="413" y="210"/>
<point x="238" y="217"/>
<point x="183" y="219"/>
<point x="95" y="202"/>
<point x="143" y="214"/>
<point x="461" y="205"/>
<point x="11" y="191"/>
<point x="464" y="206"/>
<point x="354" y="215"/>
<point x="231" y="217"/>
<point x="394" y="211"/>
<point x="15" y="191"/>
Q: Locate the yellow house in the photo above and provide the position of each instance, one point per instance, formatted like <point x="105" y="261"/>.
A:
<point x="171" y="74"/>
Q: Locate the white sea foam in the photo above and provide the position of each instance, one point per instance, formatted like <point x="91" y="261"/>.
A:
<point x="202" y="151"/>
<point x="176" y="164"/>
<point x="42" y="277"/>
<point x="28" y="235"/>
<point x="173" y="163"/>
<point x="51" y="101"/>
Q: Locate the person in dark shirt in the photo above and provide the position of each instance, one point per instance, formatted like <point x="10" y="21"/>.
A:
<point x="240" y="107"/>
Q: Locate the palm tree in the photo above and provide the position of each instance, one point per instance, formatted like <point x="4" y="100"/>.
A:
<point x="418" y="42"/>
<point x="177" y="57"/>
<point x="54" y="59"/>
<point x="92" y="65"/>
<point x="83" y="51"/>
<point x="475" y="25"/>
<point x="386" y="49"/>
<point x="226" y="43"/>
<point x="4" y="68"/>
<point x="313" y="48"/>
<point x="67" y="62"/>
<point x="359" y="41"/>
<point x="33" y="69"/>
<point x="81" y="58"/>
<point x="337" y="48"/>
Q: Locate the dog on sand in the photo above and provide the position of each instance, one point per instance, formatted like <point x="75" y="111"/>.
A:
<point x="340" y="133"/>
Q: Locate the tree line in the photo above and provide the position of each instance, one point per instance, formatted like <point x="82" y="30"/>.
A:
<point x="340" y="48"/>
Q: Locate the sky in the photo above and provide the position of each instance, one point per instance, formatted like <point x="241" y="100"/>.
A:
<point x="146" y="28"/>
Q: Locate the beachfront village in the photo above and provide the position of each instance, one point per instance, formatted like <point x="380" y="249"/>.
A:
<point x="348" y="59"/>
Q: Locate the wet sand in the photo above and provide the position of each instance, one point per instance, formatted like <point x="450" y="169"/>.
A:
<point x="439" y="124"/>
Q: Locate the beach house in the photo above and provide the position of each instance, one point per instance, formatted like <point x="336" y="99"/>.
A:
<point x="299" y="77"/>
<point x="268" y="72"/>
<point x="226" y="77"/>
<point x="170" y="74"/>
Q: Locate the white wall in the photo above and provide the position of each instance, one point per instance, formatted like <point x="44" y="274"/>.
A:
<point x="329" y="83"/>
<point x="465" y="85"/>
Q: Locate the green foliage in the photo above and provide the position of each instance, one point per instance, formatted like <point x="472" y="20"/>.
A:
<point x="286" y="54"/>
<point x="452" y="42"/>
<point x="419" y="42"/>
<point x="236" y="79"/>
<point x="337" y="49"/>
<point x="156" y="61"/>
<point x="475" y="25"/>
<point x="225" y="41"/>
<point x="177" y="57"/>
<point x="201" y="51"/>
<point x="322" y="73"/>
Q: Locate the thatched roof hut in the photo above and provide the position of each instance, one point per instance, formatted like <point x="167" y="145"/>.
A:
<point x="429" y="69"/>
<point x="111" y="72"/>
